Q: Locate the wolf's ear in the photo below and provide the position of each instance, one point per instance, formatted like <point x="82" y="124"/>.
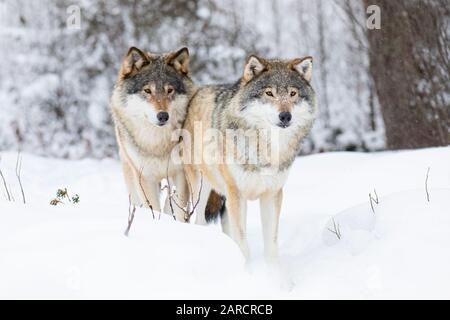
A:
<point x="253" y="67"/>
<point x="179" y="60"/>
<point x="304" y="66"/>
<point x="134" y="61"/>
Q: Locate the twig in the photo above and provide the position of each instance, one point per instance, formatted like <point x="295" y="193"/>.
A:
<point x="18" y="175"/>
<point x="426" y="185"/>
<point x="67" y="195"/>
<point x="176" y="203"/>
<point x="131" y="212"/>
<point x="143" y="191"/>
<point x="336" y="231"/>
<point x="372" y="200"/>
<point x="198" y="196"/>
<point x="188" y="212"/>
<point x="169" y="191"/>
<point x="12" y="194"/>
<point x="8" y="194"/>
<point x="371" y="204"/>
<point x="376" y="195"/>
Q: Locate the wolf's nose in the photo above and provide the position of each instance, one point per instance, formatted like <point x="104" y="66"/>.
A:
<point x="285" y="117"/>
<point x="162" y="117"/>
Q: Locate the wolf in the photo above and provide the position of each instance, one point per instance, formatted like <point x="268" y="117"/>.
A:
<point x="148" y="104"/>
<point x="272" y="95"/>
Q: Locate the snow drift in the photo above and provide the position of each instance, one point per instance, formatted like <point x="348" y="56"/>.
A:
<point x="398" y="249"/>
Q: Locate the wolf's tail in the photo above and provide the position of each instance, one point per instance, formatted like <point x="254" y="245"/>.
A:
<point x="215" y="206"/>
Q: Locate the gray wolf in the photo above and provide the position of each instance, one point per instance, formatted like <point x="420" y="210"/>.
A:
<point x="275" y="96"/>
<point x="148" y="104"/>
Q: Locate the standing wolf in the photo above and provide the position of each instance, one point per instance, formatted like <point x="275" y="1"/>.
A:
<point x="149" y="103"/>
<point x="273" y="96"/>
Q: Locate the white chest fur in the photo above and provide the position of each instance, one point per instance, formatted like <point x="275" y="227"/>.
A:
<point x="252" y="184"/>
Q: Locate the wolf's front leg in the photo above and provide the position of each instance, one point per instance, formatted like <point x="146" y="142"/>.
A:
<point x="199" y="193"/>
<point x="131" y="183"/>
<point x="178" y="203"/>
<point x="237" y="218"/>
<point x="225" y="222"/>
<point x="270" y="204"/>
<point x="149" y="191"/>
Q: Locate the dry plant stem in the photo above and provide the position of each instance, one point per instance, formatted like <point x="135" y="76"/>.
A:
<point x="172" y="197"/>
<point x="8" y="194"/>
<point x="198" y="196"/>
<point x="143" y="191"/>
<point x="372" y="200"/>
<point x="426" y="185"/>
<point x="176" y="203"/>
<point x="376" y="196"/>
<point x="187" y="213"/>
<point x="191" y="191"/>
<point x="371" y="203"/>
<point x="336" y="231"/>
<point x="169" y="191"/>
<point x="12" y="195"/>
<point x="131" y="212"/>
<point x="67" y="195"/>
<point x="18" y="175"/>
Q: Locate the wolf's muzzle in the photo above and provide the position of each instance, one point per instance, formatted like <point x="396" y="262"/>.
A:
<point x="285" y="119"/>
<point x="163" y="117"/>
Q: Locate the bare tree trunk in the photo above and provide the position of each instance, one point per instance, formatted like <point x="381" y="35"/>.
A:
<point x="409" y="63"/>
<point x="276" y="26"/>
<point x="323" y="62"/>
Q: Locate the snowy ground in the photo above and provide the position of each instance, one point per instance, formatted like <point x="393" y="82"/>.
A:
<point x="79" y="251"/>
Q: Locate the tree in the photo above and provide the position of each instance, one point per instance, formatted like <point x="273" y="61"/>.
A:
<point x="55" y="97"/>
<point x="410" y="65"/>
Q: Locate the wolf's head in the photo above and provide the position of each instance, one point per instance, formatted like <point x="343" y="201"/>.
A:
<point x="277" y="93"/>
<point x="155" y="86"/>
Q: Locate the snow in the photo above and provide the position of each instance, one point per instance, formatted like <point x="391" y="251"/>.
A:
<point x="399" y="250"/>
<point x="57" y="80"/>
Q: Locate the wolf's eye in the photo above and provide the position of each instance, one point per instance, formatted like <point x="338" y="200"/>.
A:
<point x="269" y="93"/>
<point x="148" y="91"/>
<point x="169" y="91"/>
<point x="293" y="93"/>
